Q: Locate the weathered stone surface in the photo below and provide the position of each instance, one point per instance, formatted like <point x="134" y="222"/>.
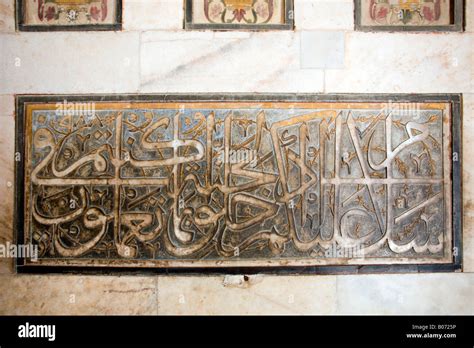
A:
<point x="7" y="131"/>
<point x="204" y="61"/>
<point x="408" y="294"/>
<point x="78" y="295"/>
<point x="404" y="63"/>
<point x="7" y="105"/>
<point x="468" y="186"/>
<point x="469" y="16"/>
<point x="7" y="15"/>
<point x="31" y="62"/>
<point x="322" y="49"/>
<point x="152" y="15"/>
<point x="249" y="294"/>
<point x="324" y="14"/>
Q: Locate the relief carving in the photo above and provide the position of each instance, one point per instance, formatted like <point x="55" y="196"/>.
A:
<point x="239" y="183"/>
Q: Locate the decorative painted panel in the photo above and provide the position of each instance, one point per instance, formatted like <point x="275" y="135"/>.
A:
<point x="69" y="14"/>
<point x="238" y="181"/>
<point x="239" y="14"/>
<point x="409" y="14"/>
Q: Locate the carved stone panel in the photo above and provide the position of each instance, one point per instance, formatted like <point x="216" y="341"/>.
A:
<point x="222" y="181"/>
<point x="239" y="14"/>
<point x="69" y="14"/>
<point x="409" y="14"/>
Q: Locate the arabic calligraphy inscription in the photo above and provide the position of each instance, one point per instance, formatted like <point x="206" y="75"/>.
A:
<point x="238" y="183"/>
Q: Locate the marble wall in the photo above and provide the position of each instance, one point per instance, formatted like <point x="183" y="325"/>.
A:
<point x="153" y="54"/>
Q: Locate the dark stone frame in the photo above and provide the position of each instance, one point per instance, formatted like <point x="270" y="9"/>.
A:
<point x="457" y="26"/>
<point x="288" y="25"/>
<point x="457" y="215"/>
<point x="21" y="26"/>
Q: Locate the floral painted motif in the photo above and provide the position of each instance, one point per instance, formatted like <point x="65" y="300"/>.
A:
<point x="93" y="10"/>
<point x="408" y="12"/>
<point x="239" y="11"/>
<point x="59" y="13"/>
<point x="239" y="14"/>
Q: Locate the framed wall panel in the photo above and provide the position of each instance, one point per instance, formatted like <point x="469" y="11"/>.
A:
<point x="239" y="183"/>
<point x="411" y="15"/>
<point x="50" y="15"/>
<point x="239" y="14"/>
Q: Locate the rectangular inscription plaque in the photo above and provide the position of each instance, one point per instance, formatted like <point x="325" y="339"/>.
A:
<point x="218" y="182"/>
<point x="239" y="14"/>
<point x="36" y="15"/>
<point x="403" y="15"/>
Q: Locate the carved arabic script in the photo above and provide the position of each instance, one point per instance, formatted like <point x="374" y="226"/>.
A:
<point x="209" y="183"/>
